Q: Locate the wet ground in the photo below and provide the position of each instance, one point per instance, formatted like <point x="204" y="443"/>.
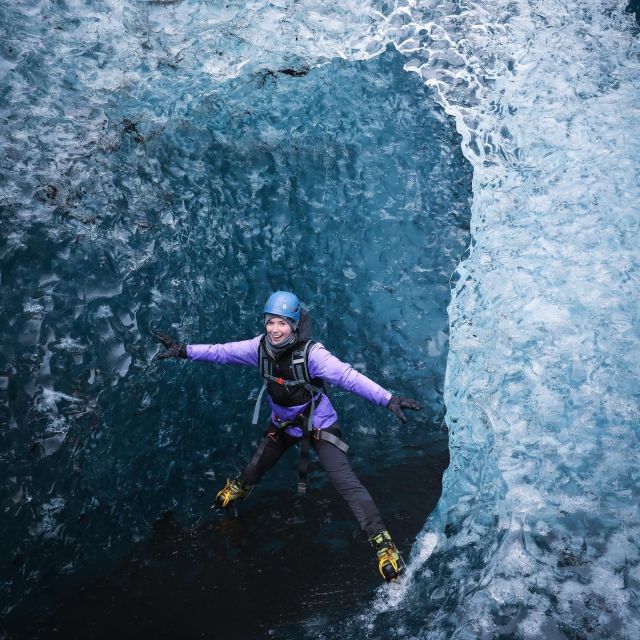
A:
<point x="279" y="560"/>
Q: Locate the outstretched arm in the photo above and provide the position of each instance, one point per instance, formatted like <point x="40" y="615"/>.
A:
<point x="241" y="352"/>
<point x="323" y="364"/>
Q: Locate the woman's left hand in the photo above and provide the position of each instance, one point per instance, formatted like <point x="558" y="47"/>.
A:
<point x="396" y="404"/>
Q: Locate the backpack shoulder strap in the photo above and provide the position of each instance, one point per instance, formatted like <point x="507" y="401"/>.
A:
<point x="264" y="362"/>
<point x="300" y="363"/>
<point x="266" y="370"/>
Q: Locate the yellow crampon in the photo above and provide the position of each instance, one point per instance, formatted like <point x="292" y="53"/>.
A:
<point x="390" y="563"/>
<point x="235" y="489"/>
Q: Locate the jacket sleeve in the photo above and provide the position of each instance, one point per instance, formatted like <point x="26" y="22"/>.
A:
<point x="242" y="352"/>
<point x="323" y="364"/>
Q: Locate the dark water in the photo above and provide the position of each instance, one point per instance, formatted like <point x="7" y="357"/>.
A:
<point x="282" y="562"/>
<point x="344" y="183"/>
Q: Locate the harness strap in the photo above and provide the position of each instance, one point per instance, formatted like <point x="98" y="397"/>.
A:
<point x="321" y="434"/>
<point x="256" y="410"/>
<point x="303" y="467"/>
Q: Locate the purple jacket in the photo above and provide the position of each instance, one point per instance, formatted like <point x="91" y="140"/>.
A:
<point x="322" y="364"/>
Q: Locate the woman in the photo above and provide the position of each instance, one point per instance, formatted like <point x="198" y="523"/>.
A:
<point x="295" y="369"/>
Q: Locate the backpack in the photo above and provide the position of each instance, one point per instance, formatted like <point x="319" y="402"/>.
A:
<point x="300" y="368"/>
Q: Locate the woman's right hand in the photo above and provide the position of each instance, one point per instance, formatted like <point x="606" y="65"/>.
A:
<point x="173" y="348"/>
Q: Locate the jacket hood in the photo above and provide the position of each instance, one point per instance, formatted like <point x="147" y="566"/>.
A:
<point x="304" y="326"/>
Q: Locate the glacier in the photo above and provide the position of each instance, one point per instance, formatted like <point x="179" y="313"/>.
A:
<point x="536" y="532"/>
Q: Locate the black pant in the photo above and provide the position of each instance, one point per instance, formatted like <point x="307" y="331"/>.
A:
<point x="335" y="463"/>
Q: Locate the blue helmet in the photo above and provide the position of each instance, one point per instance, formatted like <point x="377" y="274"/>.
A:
<point x="285" y="304"/>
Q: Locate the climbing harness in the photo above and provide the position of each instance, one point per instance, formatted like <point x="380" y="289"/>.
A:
<point x="304" y="420"/>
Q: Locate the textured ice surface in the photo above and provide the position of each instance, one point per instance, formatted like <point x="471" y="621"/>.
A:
<point x="540" y="506"/>
<point x="537" y="528"/>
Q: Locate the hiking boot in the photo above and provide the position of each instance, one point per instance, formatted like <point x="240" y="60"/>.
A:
<point x="390" y="564"/>
<point x="235" y="489"/>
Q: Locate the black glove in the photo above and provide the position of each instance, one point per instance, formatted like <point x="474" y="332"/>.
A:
<point x="396" y="404"/>
<point x="174" y="349"/>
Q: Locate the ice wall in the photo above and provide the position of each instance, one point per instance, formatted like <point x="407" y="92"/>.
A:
<point x="538" y="524"/>
<point x="537" y="529"/>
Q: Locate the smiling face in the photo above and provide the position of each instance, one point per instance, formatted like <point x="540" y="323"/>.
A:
<point x="278" y="330"/>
